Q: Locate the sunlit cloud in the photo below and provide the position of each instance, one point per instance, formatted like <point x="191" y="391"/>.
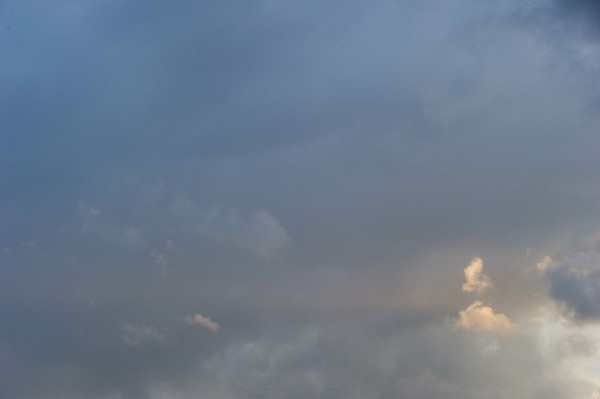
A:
<point x="476" y="281"/>
<point x="544" y="264"/>
<point x="482" y="318"/>
<point x="202" y="321"/>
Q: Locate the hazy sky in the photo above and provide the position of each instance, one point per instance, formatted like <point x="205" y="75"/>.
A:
<point x="299" y="199"/>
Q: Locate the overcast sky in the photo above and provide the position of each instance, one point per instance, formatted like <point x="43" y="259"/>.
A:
<point x="392" y="199"/>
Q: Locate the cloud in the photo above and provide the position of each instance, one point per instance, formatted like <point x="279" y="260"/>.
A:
<point x="591" y="8"/>
<point x="579" y="16"/>
<point x="581" y="345"/>
<point x="123" y="235"/>
<point x="137" y="334"/>
<point x="260" y="232"/>
<point x="481" y="318"/>
<point x="412" y="128"/>
<point x="159" y="257"/>
<point x="476" y="281"/>
<point x="575" y="284"/>
<point x="202" y="321"/>
<point x="478" y="316"/>
<point x="87" y="211"/>
<point x="327" y="362"/>
<point x="544" y="264"/>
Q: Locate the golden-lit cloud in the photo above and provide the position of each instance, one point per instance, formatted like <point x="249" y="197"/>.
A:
<point x="482" y="318"/>
<point x="203" y="321"/>
<point x="476" y="281"/>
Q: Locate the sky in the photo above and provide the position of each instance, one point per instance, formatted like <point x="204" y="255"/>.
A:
<point x="299" y="199"/>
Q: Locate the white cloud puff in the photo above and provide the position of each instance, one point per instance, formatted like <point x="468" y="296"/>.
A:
<point x="545" y="263"/>
<point x="476" y="281"/>
<point x="482" y="318"/>
<point x="203" y="321"/>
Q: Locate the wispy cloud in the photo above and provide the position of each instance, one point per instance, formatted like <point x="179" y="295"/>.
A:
<point x="259" y="232"/>
<point x="87" y="211"/>
<point x="137" y="334"/>
<point x="202" y="321"/>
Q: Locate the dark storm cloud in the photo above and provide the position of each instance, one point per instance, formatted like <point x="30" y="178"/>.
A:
<point x="311" y="176"/>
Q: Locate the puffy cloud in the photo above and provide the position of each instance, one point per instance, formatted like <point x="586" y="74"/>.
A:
<point x="476" y="281"/>
<point x="544" y="264"/>
<point x="479" y="317"/>
<point x="202" y="321"/>
<point x="482" y="318"/>
<point x="326" y="362"/>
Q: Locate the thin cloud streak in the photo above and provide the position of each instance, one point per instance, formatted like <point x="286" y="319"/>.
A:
<point x="202" y="321"/>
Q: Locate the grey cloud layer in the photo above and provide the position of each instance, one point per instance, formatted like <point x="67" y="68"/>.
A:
<point x="576" y="285"/>
<point x="312" y="176"/>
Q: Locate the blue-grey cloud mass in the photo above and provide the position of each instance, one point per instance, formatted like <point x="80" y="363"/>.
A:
<point x="262" y="199"/>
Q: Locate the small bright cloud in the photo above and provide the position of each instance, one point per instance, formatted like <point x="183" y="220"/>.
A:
<point x="476" y="281"/>
<point x="482" y="318"/>
<point x="203" y="321"/>
<point x="545" y="264"/>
